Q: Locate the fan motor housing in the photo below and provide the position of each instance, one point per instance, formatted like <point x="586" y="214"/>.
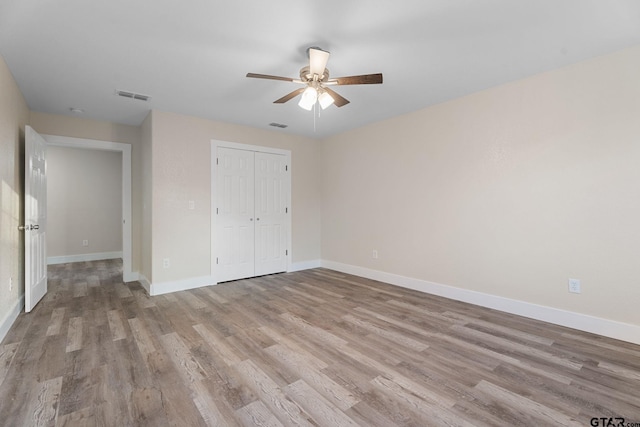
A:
<point x="306" y="76"/>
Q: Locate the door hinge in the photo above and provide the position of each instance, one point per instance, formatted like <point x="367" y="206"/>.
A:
<point x="286" y="168"/>
<point x="216" y="260"/>
<point x="286" y="210"/>
<point x="217" y="160"/>
<point x="217" y="213"/>
<point x="286" y="251"/>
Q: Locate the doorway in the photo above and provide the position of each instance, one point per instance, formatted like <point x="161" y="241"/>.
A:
<point x="125" y="150"/>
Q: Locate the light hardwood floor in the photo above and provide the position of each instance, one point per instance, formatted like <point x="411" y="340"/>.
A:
<point x="309" y="348"/>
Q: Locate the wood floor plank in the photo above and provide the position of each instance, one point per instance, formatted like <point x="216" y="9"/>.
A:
<point x="338" y="395"/>
<point x="209" y="410"/>
<point x="45" y="407"/>
<point x="304" y="294"/>
<point x="80" y="290"/>
<point x="51" y="363"/>
<point x="272" y="396"/>
<point x="142" y="337"/>
<point x="514" y="347"/>
<point x="391" y="336"/>
<point x="74" y="334"/>
<point x="320" y="290"/>
<point x="620" y="370"/>
<point x="434" y="413"/>
<point x="315" y="347"/>
<point x="218" y="344"/>
<point x="143" y="299"/>
<point x="7" y="352"/>
<point x="116" y="325"/>
<point x="57" y="316"/>
<point x="317" y="406"/>
<point x="177" y="401"/>
<point x="526" y="408"/>
<point x="317" y="333"/>
<point x="184" y="361"/>
<point x="93" y="416"/>
<point x="147" y="407"/>
<point x="256" y="414"/>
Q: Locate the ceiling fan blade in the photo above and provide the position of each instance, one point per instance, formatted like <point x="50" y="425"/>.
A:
<point x="269" y="77"/>
<point x="317" y="61"/>
<point x="366" y="79"/>
<point x="289" y="96"/>
<point x="338" y="99"/>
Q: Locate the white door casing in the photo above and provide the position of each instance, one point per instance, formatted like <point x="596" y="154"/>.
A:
<point x="260" y="246"/>
<point x="35" y="216"/>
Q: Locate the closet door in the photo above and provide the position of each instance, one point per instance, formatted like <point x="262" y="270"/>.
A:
<point x="235" y="235"/>
<point x="270" y="213"/>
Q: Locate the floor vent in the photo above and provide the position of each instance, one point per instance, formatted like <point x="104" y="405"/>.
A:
<point x="278" y="125"/>
<point x="132" y="95"/>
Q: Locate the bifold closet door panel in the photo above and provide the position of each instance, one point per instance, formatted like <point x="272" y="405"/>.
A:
<point x="270" y="212"/>
<point x="235" y="237"/>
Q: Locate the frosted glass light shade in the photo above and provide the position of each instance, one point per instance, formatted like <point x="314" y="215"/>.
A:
<point x="325" y="100"/>
<point x="308" y="98"/>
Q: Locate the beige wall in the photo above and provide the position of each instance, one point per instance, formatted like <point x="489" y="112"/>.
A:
<point x="77" y="127"/>
<point x="14" y="115"/>
<point x="84" y="201"/>
<point x="509" y="192"/>
<point x="181" y="163"/>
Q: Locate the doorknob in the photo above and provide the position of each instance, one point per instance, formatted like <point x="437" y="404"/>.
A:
<point x="35" y="227"/>
<point x="21" y="227"/>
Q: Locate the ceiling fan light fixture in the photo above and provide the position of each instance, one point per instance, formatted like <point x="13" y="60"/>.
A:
<point x="308" y="98"/>
<point x="325" y="99"/>
<point x="315" y="82"/>
<point x="317" y="61"/>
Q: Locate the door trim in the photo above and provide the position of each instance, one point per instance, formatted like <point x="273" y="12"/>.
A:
<point x="93" y="144"/>
<point x="214" y="193"/>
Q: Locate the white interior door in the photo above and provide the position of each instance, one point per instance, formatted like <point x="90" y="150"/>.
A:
<point x="271" y="213"/>
<point x="35" y="215"/>
<point x="235" y="215"/>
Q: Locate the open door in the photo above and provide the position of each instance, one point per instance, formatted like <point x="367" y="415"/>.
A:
<point x="35" y="217"/>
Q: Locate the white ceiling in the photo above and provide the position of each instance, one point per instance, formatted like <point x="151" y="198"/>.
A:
<point x="192" y="56"/>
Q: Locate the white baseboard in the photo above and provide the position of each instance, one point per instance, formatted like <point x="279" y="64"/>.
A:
<point x="198" y="282"/>
<point x="130" y="277"/>
<point x="98" y="256"/>
<point x="179" y="285"/>
<point x="11" y="317"/>
<point x="144" y="282"/>
<point x="305" y="265"/>
<point x="608" y="328"/>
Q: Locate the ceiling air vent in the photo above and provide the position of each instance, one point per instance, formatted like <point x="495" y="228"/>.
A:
<point x="278" y="125"/>
<point x="132" y="95"/>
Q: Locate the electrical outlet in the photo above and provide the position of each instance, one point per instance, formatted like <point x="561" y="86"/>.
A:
<point x="574" y="286"/>
<point x="85" y="243"/>
<point x="165" y="263"/>
<point x="374" y="254"/>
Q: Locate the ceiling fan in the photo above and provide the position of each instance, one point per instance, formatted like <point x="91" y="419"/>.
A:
<point x="315" y="80"/>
